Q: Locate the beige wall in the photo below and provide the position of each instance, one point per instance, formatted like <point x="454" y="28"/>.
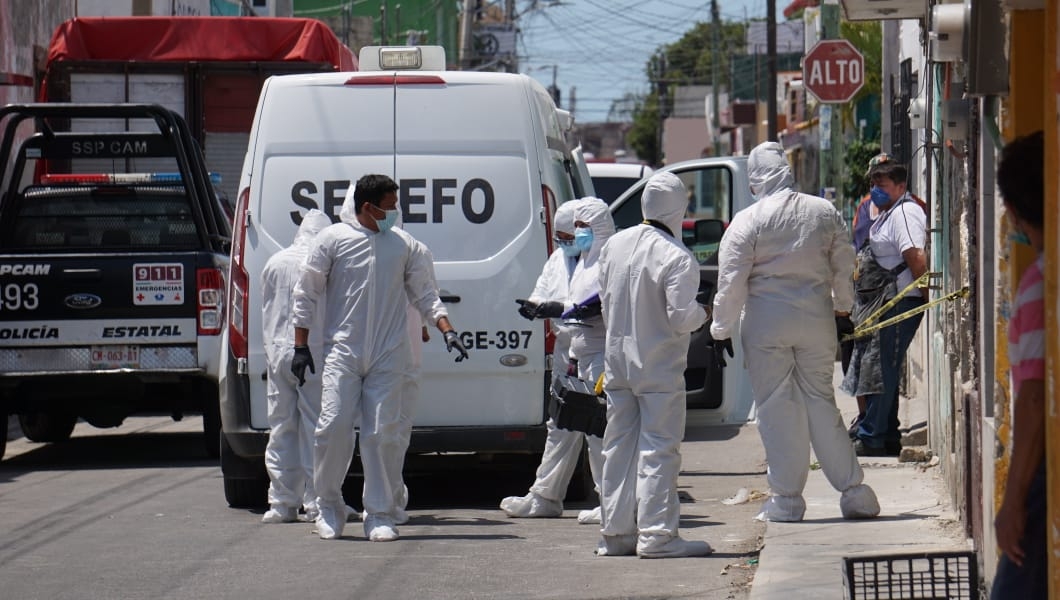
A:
<point x="684" y="139"/>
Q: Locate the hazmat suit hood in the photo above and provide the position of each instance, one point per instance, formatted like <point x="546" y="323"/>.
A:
<point x="313" y="223"/>
<point x="596" y="213"/>
<point x="564" y="219"/>
<point x="665" y="200"/>
<point x="585" y="282"/>
<point x="768" y="170"/>
<point x="348" y="212"/>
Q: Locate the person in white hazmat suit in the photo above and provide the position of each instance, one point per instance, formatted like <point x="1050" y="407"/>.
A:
<point x="572" y="275"/>
<point x="418" y="335"/>
<point x="786" y="263"/>
<point x="648" y="282"/>
<point x="292" y="410"/>
<point x="367" y="272"/>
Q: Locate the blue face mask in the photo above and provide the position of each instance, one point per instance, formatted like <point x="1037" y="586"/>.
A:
<point x="1018" y="237"/>
<point x="879" y="197"/>
<point x="388" y="221"/>
<point x="583" y="238"/>
<point x="568" y="246"/>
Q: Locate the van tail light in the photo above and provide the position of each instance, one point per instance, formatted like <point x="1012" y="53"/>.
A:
<point x="548" y="206"/>
<point x="239" y="281"/>
<point x="210" y="283"/>
<point x="395" y="80"/>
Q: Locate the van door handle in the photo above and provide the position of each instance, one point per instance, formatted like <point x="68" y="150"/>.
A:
<point x="450" y="299"/>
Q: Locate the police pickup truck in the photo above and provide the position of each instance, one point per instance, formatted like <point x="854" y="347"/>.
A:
<point x="113" y="252"/>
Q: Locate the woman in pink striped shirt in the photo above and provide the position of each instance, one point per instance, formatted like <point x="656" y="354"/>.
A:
<point x="1020" y="525"/>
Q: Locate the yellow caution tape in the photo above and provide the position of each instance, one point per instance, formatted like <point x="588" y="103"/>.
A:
<point x="599" y="389"/>
<point x="921" y="281"/>
<point x="866" y="331"/>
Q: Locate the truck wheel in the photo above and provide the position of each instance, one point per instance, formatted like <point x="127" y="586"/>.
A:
<point x="47" y="426"/>
<point x="246" y="484"/>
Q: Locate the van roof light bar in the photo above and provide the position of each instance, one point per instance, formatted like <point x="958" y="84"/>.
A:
<point x="402" y="58"/>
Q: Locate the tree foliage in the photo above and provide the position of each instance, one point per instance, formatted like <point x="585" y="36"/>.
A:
<point x="688" y="61"/>
<point x="867" y="37"/>
<point x="856" y="158"/>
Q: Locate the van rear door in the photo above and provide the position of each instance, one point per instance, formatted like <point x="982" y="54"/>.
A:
<point x="470" y="189"/>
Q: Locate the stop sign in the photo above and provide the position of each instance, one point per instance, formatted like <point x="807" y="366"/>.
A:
<point x="833" y="71"/>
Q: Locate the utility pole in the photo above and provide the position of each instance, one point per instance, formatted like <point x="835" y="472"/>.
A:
<point x="509" y="15"/>
<point x="661" y="97"/>
<point x="714" y="66"/>
<point x="771" y="67"/>
<point x="466" y="20"/>
<point x="553" y="89"/>
<point x="829" y="123"/>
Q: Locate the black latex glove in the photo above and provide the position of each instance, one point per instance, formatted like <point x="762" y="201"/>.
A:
<point x="452" y="340"/>
<point x="843" y="327"/>
<point x="527" y="308"/>
<point x="720" y="347"/>
<point x="549" y="310"/>
<point x="585" y="311"/>
<point x="302" y="359"/>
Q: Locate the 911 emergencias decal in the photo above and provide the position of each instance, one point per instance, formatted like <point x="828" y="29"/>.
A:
<point x="158" y="283"/>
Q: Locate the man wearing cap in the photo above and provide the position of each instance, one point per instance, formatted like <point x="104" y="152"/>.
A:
<point x="889" y="260"/>
<point x="864" y="217"/>
<point x="867" y="211"/>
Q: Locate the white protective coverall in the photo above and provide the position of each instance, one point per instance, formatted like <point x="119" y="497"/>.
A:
<point x="786" y="262"/>
<point x="649" y="281"/>
<point x="562" y="447"/>
<point x="292" y="410"/>
<point x="367" y="279"/>
<point x="410" y="394"/>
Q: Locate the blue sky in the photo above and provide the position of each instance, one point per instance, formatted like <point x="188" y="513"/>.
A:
<point x="601" y="46"/>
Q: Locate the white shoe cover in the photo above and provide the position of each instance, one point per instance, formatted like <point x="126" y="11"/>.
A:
<point x="380" y="528"/>
<point x="280" y="514"/>
<point x="657" y="546"/>
<point x="400" y="516"/>
<point x="589" y="517"/>
<point x="859" y="502"/>
<point x="617" y="545"/>
<point x="329" y="526"/>
<point x="531" y="506"/>
<point x="784" y="509"/>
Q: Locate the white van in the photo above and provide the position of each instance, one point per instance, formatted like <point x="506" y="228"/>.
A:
<point x="482" y="161"/>
<point x="611" y="179"/>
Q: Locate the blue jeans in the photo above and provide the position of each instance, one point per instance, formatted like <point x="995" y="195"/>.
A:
<point x="1031" y="581"/>
<point x="881" y="410"/>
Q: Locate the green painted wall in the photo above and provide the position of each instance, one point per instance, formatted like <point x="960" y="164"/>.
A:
<point x="437" y="20"/>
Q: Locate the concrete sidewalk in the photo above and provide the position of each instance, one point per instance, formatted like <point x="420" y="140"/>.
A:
<point x="805" y="560"/>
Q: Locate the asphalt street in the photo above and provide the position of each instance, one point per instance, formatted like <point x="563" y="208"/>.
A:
<point x="139" y="512"/>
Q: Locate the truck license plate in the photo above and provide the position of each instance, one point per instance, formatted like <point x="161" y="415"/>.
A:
<point x="115" y="357"/>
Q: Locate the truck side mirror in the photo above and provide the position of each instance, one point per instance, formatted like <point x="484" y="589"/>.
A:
<point x="709" y="231"/>
<point x="704" y="240"/>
